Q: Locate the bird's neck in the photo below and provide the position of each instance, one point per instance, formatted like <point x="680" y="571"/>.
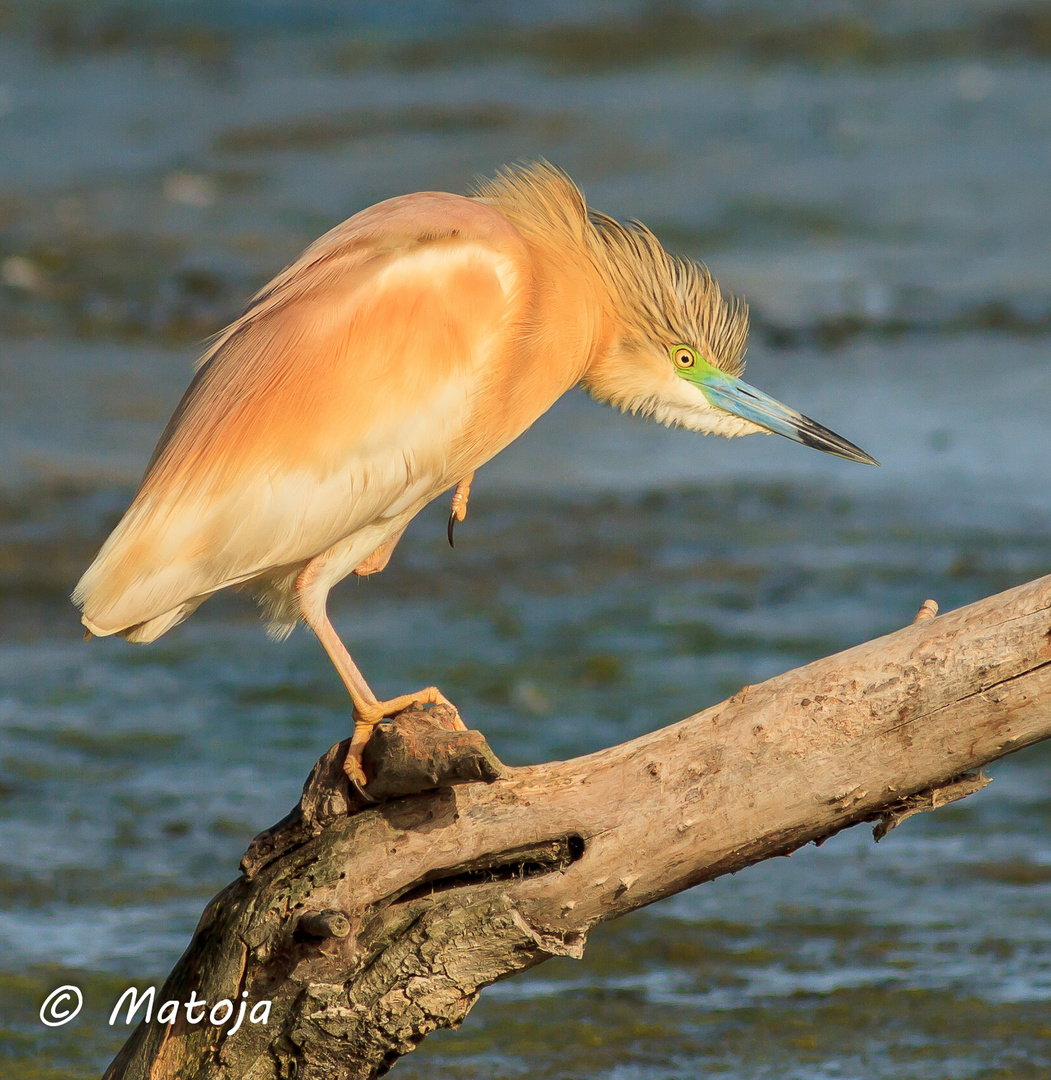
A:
<point x="582" y="305"/>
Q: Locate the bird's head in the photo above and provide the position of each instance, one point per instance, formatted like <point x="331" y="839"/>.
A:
<point x="676" y="347"/>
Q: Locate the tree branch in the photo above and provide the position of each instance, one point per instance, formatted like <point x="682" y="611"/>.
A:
<point x="368" y="927"/>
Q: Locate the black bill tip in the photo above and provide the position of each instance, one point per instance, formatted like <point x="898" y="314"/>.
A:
<point x="818" y="437"/>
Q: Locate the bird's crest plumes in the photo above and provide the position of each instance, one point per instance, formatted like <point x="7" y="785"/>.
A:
<point x="661" y="295"/>
<point x="670" y="297"/>
<point x="538" y="197"/>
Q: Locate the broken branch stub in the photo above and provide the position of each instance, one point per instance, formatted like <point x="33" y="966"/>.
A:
<point x="418" y="750"/>
<point x="448" y="889"/>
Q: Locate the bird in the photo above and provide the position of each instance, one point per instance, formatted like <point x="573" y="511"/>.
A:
<point x="399" y="353"/>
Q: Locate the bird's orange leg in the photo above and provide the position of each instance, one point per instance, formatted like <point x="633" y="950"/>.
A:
<point x="368" y="709"/>
<point x="459" y="506"/>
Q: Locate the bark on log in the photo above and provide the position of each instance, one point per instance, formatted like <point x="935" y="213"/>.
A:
<point x="368" y="927"/>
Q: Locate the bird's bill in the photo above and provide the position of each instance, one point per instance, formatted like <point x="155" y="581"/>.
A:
<point x="737" y="397"/>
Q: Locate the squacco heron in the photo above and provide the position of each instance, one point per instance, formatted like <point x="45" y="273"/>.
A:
<point x="398" y="354"/>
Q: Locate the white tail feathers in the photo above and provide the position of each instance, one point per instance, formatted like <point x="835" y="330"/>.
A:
<point x="137" y="586"/>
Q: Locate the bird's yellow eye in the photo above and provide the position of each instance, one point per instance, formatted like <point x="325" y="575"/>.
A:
<point x="683" y="357"/>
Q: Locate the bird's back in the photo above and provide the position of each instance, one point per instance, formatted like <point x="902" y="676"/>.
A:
<point x="339" y="399"/>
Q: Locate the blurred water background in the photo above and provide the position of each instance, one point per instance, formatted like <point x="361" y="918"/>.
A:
<point x="875" y="177"/>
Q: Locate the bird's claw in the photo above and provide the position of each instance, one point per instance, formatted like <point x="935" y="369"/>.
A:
<point x="459" y="505"/>
<point x="362" y="793"/>
<point x="355" y="773"/>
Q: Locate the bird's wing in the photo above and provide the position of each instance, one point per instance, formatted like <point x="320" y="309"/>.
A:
<point x="332" y="403"/>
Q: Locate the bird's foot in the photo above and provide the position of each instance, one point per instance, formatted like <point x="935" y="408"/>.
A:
<point x="459" y="506"/>
<point x="378" y="560"/>
<point x="366" y="717"/>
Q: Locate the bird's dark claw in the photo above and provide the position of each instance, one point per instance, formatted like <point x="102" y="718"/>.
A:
<point x="360" y="790"/>
<point x="459" y="507"/>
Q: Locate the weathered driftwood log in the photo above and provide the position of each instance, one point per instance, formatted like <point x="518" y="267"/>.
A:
<point x="369" y="926"/>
